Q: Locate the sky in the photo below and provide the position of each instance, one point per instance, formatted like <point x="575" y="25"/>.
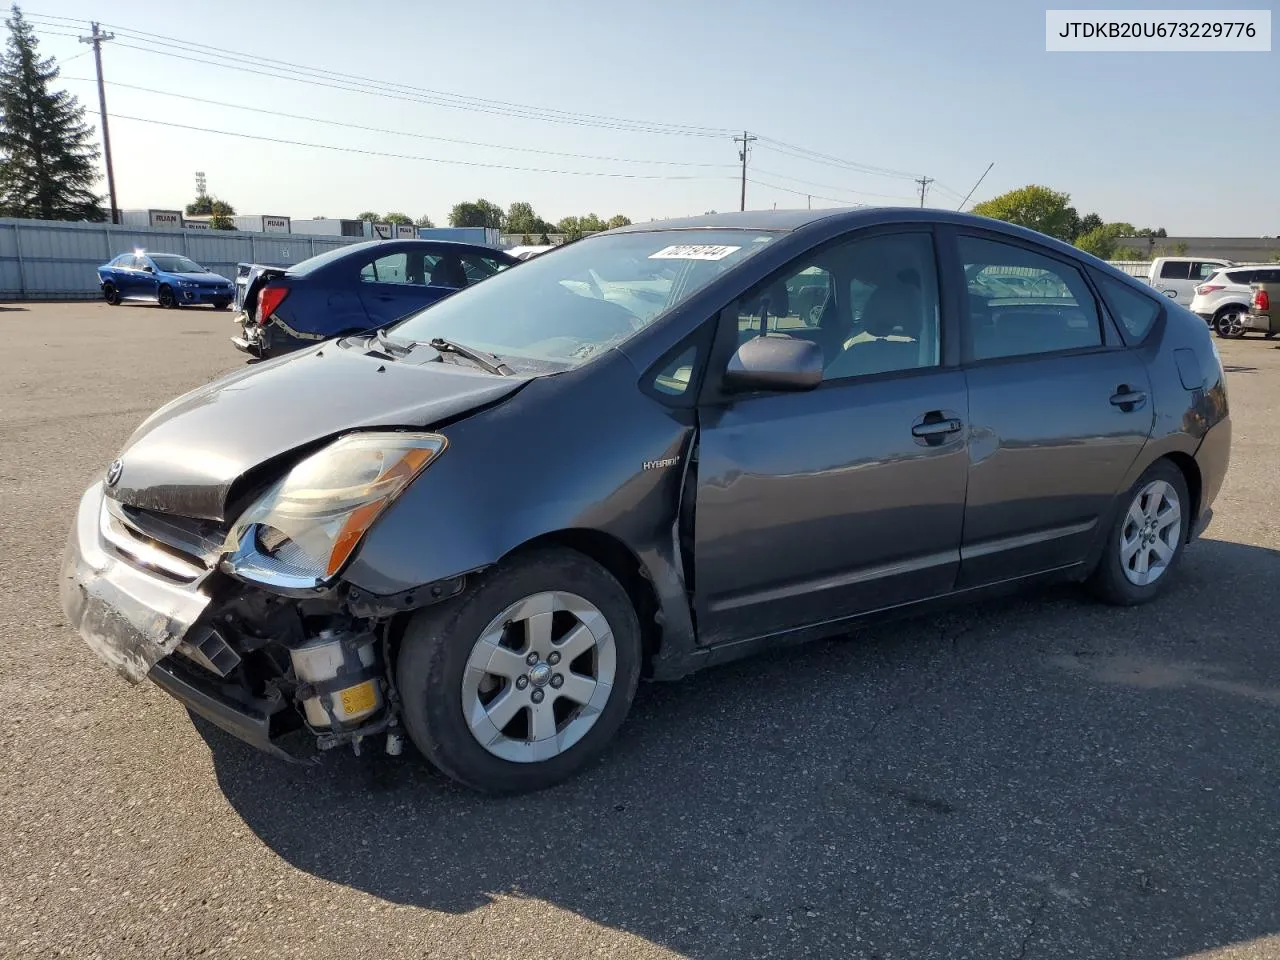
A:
<point x="885" y="92"/>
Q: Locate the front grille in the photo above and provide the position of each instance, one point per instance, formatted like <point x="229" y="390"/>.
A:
<point x="177" y="547"/>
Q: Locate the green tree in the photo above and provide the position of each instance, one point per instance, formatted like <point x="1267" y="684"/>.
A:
<point x="1089" y="222"/>
<point x="218" y="211"/>
<point x="1126" y="253"/>
<point x="423" y="221"/>
<point x="397" y="219"/>
<point x="571" y="227"/>
<point x="618" y="220"/>
<point x="369" y="216"/>
<point x="480" y="213"/>
<point x="1101" y="240"/>
<point x="1036" y="207"/>
<point x="48" y="160"/>
<point x="521" y="218"/>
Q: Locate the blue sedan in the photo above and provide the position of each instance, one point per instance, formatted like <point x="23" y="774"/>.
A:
<point x="352" y="289"/>
<point x="168" y="279"/>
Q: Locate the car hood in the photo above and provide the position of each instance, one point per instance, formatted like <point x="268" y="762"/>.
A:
<point x="186" y="458"/>
<point x="209" y="277"/>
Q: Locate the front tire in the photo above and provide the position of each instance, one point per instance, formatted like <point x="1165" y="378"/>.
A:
<point x="1227" y="323"/>
<point x="111" y="294"/>
<point x="166" y="298"/>
<point x="1146" y="539"/>
<point x="522" y="681"/>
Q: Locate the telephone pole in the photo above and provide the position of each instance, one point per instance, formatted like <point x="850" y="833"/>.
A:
<point x="924" y="186"/>
<point x="97" y="39"/>
<point x="746" y="140"/>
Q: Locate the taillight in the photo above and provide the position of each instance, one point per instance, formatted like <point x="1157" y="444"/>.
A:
<point x="1206" y="288"/>
<point x="269" y="301"/>
<point x="1262" y="301"/>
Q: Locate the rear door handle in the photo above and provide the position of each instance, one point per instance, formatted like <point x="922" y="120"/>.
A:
<point x="1128" y="399"/>
<point x="936" y="428"/>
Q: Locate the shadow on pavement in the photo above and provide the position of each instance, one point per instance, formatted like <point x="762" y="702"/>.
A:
<point x="1041" y="776"/>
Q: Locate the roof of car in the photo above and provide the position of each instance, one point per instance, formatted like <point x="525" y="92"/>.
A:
<point x="784" y="220"/>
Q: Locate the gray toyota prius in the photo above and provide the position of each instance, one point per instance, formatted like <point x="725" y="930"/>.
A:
<point x="653" y="450"/>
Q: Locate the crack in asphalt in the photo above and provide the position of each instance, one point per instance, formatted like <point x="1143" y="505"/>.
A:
<point x="1036" y="914"/>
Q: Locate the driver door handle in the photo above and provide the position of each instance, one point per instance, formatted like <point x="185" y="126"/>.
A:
<point x="1127" y="399"/>
<point x="936" y="428"/>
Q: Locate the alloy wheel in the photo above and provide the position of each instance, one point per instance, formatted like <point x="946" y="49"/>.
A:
<point x="1230" y="325"/>
<point x="1151" y="533"/>
<point x="538" y="677"/>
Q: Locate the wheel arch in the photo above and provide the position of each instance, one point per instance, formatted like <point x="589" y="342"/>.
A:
<point x="1190" y="471"/>
<point x="624" y="565"/>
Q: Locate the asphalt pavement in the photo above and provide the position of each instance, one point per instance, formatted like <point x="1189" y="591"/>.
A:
<point x="1039" y="777"/>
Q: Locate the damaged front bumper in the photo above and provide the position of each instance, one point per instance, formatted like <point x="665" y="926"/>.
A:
<point x="129" y="617"/>
<point x="219" y="646"/>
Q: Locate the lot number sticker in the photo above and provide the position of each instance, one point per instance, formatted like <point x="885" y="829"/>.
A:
<point x="694" y="251"/>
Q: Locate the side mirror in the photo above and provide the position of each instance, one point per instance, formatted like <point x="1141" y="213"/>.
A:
<point x="148" y="268"/>
<point x="775" y="362"/>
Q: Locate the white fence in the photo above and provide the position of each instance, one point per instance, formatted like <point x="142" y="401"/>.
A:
<point x="45" y="260"/>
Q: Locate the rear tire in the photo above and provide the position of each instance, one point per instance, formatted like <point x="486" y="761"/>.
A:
<point x="166" y="298"/>
<point x="458" y="662"/>
<point x="111" y="294"/>
<point x="1226" y="323"/>
<point x="1146" y="538"/>
<point x="222" y="305"/>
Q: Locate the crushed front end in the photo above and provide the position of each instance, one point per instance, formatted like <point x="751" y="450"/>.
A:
<point x="233" y="619"/>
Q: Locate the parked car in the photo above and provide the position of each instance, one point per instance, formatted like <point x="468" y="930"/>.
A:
<point x="1223" y="300"/>
<point x="529" y="252"/>
<point x="168" y="279"/>
<point x="1262" y="308"/>
<point x="351" y="289"/>
<point x="1178" y="277"/>
<point x="661" y="448"/>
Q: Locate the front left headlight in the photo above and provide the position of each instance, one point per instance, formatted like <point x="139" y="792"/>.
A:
<point x="314" y="518"/>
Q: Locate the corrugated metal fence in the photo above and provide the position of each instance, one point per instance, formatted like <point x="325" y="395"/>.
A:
<point x="44" y="260"/>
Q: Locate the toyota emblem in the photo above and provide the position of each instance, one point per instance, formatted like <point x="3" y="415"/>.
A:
<point x="114" y="471"/>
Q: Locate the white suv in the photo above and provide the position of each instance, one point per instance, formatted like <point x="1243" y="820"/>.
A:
<point x="1223" y="299"/>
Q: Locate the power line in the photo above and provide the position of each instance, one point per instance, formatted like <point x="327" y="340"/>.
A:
<point x="812" y="156"/>
<point x="803" y="193"/>
<point x="403" y="156"/>
<point x="829" y="186"/>
<point x="403" y="133"/>
<point x="278" y="69"/>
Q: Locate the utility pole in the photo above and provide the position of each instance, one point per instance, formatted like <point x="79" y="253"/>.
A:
<point x="746" y="140"/>
<point x="97" y="39"/>
<point x="924" y="186"/>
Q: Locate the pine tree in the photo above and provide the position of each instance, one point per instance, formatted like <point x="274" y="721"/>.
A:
<point x="48" y="159"/>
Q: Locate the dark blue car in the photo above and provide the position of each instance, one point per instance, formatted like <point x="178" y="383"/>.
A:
<point x="168" y="279"/>
<point x="352" y="289"/>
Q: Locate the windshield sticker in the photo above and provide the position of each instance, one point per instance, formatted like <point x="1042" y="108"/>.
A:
<point x="694" y="251"/>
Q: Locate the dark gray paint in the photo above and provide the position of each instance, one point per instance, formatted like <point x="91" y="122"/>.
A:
<point x="807" y="508"/>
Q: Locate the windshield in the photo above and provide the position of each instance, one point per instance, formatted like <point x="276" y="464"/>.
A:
<point x="566" y="306"/>
<point x="171" y="263"/>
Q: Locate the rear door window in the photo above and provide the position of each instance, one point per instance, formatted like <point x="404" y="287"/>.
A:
<point x="393" y="268"/>
<point x="1175" y="270"/>
<point x="1022" y="302"/>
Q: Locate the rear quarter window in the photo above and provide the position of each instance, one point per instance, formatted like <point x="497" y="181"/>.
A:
<point x="1241" y="276"/>
<point x="1175" y="270"/>
<point x="1135" y="311"/>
